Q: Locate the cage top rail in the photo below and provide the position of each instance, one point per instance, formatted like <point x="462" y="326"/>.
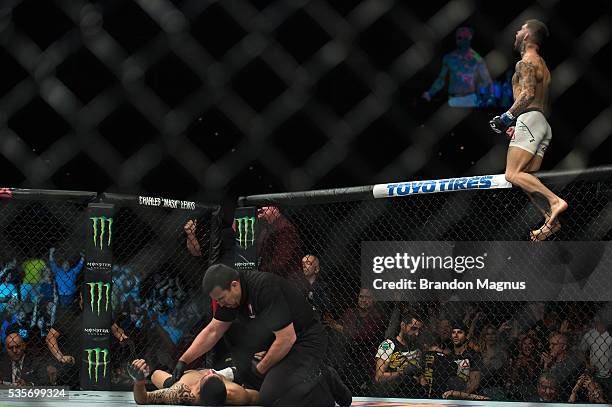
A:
<point x="47" y="194"/>
<point x="22" y="194"/>
<point x="156" y="201"/>
<point x="395" y="189"/>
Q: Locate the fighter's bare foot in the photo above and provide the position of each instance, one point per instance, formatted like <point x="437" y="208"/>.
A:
<point x="555" y="210"/>
<point x="545" y="231"/>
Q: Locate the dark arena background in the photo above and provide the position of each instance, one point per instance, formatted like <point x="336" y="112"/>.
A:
<point x="142" y="141"/>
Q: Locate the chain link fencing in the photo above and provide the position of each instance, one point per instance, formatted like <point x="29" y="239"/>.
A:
<point x="512" y="344"/>
<point x="42" y="236"/>
<point x="162" y="247"/>
<point x="154" y="295"/>
<point x="263" y="96"/>
<point x="275" y="95"/>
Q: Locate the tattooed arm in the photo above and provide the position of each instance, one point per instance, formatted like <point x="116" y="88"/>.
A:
<point x="484" y="78"/>
<point x="178" y="393"/>
<point x="527" y="84"/>
<point x="441" y="79"/>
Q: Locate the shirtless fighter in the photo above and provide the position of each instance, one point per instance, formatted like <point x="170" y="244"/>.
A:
<point x="531" y="135"/>
<point x="204" y="387"/>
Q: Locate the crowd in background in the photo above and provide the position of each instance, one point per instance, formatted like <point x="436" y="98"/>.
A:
<point x="545" y="352"/>
<point x="33" y="292"/>
<point x="504" y="351"/>
<point x="39" y="296"/>
<point x="510" y="351"/>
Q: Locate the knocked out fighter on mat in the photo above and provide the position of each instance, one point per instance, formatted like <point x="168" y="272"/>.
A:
<point x="531" y="134"/>
<point x="195" y="387"/>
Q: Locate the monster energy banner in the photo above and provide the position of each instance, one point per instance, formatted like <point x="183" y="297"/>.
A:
<point x="97" y="289"/>
<point x="97" y="360"/>
<point x="246" y="248"/>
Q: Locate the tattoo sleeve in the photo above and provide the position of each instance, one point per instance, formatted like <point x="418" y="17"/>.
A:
<point x="178" y="393"/>
<point x="527" y="84"/>
<point x="484" y="77"/>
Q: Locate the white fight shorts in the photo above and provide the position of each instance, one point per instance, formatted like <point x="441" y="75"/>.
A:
<point x="532" y="133"/>
<point x="470" y="100"/>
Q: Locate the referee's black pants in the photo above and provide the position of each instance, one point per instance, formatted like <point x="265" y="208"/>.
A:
<point x="296" y="381"/>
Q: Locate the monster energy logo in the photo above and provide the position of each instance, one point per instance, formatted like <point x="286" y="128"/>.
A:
<point x="246" y="231"/>
<point x="93" y="361"/>
<point x="92" y="294"/>
<point x="100" y="224"/>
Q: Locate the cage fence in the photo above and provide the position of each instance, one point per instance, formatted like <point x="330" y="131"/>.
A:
<point x="153" y="295"/>
<point x="508" y="340"/>
<point x="282" y="95"/>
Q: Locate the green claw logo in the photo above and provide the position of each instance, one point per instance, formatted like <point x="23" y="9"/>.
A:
<point x="92" y="294"/>
<point x="93" y="361"/>
<point x="101" y="224"/>
<point x="246" y="231"/>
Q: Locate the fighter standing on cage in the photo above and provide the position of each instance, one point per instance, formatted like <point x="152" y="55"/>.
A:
<point x="531" y="134"/>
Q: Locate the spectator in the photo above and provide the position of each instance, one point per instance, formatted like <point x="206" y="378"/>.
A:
<point x="550" y="323"/>
<point x="132" y="285"/>
<point x="587" y="389"/>
<point x="65" y="277"/>
<point x="18" y="367"/>
<point x="137" y="317"/>
<point x="524" y="369"/>
<point x="467" y="73"/>
<point x="278" y="244"/>
<point x="317" y="290"/>
<point x="438" y="367"/>
<point x="400" y="308"/>
<point x="398" y="359"/>
<point x="171" y="326"/>
<point x="48" y="288"/>
<point x="532" y="314"/>
<point x="18" y="318"/>
<point x="33" y="269"/>
<point x="444" y="332"/>
<point x="126" y="288"/>
<point x="43" y="316"/>
<point x="468" y="361"/>
<point x="8" y="290"/>
<point x="564" y="365"/>
<point x="360" y="321"/>
<point x="597" y="346"/>
<point x="360" y="330"/>
<point x="548" y="389"/>
<point x="171" y="293"/>
<point x="495" y="362"/>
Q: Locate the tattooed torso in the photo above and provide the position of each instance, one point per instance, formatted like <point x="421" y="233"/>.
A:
<point x="530" y="84"/>
<point x="178" y="393"/>
<point x="467" y="71"/>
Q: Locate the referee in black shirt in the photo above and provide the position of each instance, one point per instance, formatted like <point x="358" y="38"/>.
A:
<point x="292" y="368"/>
